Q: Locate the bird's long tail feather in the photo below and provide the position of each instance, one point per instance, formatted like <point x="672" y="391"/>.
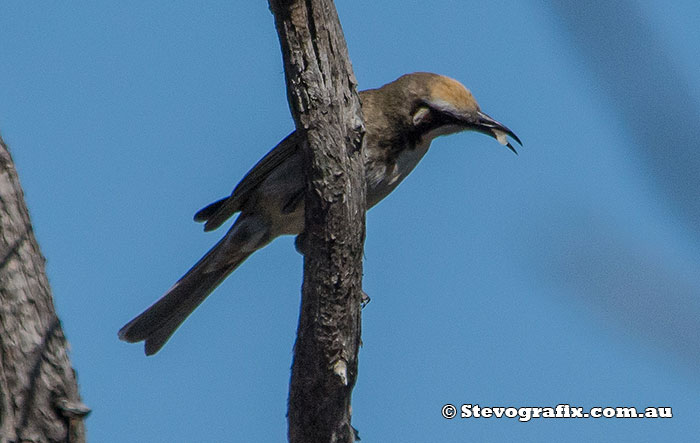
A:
<point x="157" y="323"/>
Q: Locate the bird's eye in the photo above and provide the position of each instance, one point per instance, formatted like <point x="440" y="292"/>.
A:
<point x="421" y="115"/>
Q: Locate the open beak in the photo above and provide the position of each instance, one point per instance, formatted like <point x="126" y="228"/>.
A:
<point x="499" y="131"/>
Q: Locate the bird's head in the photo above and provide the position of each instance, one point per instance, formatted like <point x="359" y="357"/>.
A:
<point x="440" y="105"/>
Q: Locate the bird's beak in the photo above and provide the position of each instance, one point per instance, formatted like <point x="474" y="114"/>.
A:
<point x="485" y="124"/>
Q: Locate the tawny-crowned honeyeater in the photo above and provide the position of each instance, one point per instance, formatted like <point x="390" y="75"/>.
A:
<point x="401" y="119"/>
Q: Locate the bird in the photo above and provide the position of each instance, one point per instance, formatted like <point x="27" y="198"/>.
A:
<point x="401" y="120"/>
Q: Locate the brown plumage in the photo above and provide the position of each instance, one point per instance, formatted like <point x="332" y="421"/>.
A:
<point x="401" y="120"/>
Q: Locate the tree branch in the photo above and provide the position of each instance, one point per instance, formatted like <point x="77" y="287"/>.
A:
<point x="39" y="398"/>
<point x="321" y="90"/>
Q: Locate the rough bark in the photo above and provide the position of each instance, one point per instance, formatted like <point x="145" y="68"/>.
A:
<point x="322" y="94"/>
<point x="39" y="398"/>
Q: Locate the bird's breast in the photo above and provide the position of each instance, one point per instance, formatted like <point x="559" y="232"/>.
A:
<point x="384" y="176"/>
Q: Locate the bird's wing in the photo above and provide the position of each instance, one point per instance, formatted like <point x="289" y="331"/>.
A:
<point x="218" y="212"/>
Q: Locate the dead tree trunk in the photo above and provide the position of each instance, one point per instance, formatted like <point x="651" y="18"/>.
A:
<point x="322" y="94"/>
<point x="39" y="398"/>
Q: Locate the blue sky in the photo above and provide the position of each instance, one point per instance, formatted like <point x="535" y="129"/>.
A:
<point x="567" y="274"/>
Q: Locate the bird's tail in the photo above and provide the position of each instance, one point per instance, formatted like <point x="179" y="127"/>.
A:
<point x="157" y="323"/>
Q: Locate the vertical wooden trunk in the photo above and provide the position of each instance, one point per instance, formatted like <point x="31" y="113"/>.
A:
<point x="326" y="108"/>
<point x="39" y="398"/>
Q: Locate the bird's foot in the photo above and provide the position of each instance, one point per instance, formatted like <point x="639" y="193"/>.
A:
<point x="365" y="299"/>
